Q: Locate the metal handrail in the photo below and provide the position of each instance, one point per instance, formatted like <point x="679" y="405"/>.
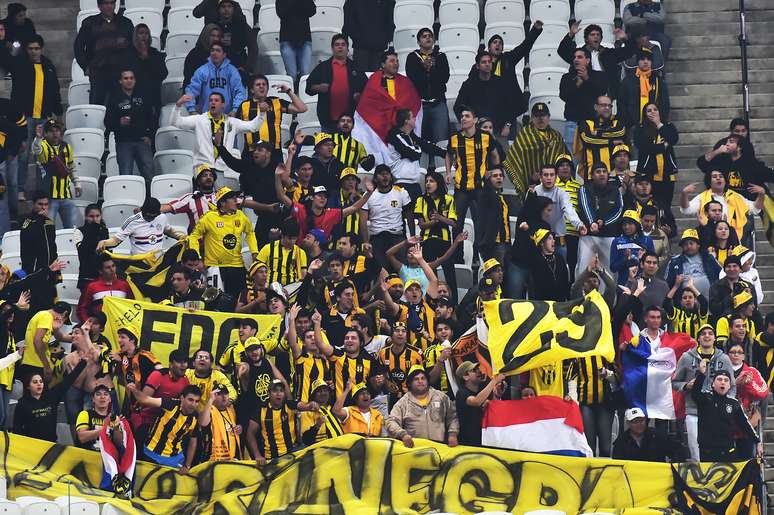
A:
<point x="743" y="48"/>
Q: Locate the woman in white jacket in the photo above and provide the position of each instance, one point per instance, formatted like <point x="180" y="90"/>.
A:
<point x="205" y="126"/>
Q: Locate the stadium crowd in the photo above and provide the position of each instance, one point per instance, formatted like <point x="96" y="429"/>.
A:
<point x="351" y="260"/>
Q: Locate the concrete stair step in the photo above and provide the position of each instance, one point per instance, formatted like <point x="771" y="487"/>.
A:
<point x="700" y="53"/>
<point x="53" y="15"/>
<point x="696" y="138"/>
<point x="714" y="65"/>
<point x="699" y="126"/>
<point x="714" y="6"/>
<point x="678" y="114"/>
<point x="675" y="19"/>
<point x="718" y="100"/>
<point x="717" y="89"/>
<point x="687" y="154"/>
<point x="719" y="77"/>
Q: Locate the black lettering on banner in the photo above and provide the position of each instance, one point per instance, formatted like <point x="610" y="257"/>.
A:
<point x="149" y="335"/>
<point x="539" y="310"/>
<point x="188" y="323"/>
<point x="227" y="327"/>
<point x="590" y="319"/>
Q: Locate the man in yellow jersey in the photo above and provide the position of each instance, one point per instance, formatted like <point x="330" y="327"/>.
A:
<point x="224" y="231"/>
<point x="273" y="109"/>
<point x="40" y="328"/>
<point x="206" y="377"/>
<point x="322" y="424"/>
<point x="347" y="149"/>
<point x="352" y="362"/>
<point x="599" y="136"/>
<point x="55" y="157"/>
<point x="398" y="357"/>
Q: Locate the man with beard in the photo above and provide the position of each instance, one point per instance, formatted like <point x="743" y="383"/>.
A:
<point x="197" y="203"/>
<point x="347" y="149"/>
<point x="205" y="376"/>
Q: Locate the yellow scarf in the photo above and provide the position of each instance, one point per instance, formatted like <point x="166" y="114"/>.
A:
<point x="216" y="125"/>
<point x="737" y="209"/>
<point x="644" y="88"/>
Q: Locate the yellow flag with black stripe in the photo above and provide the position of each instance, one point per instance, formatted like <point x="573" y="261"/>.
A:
<point x="767" y="214"/>
<point x="147" y="273"/>
<point x="524" y="335"/>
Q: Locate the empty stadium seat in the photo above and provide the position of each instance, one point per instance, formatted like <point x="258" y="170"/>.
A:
<point x="64" y="240"/>
<point x="512" y="33"/>
<point x="271" y="60"/>
<point x="67" y="291"/>
<point x="90" y="141"/>
<point x="151" y="17"/>
<point x="595" y="9"/>
<point x="124" y="187"/>
<point x="181" y="19"/>
<point x="12" y="260"/>
<point x="85" y="5"/>
<point x="180" y="44"/>
<point x="413" y="12"/>
<point x="549" y="10"/>
<point x="111" y="166"/>
<point x="321" y="41"/>
<point x="229" y="179"/>
<point x="545" y="79"/>
<point x="555" y="104"/>
<point x="329" y="14"/>
<point x="452" y="89"/>
<point x="171" y="89"/>
<point x="9" y="507"/>
<point x="624" y="3"/>
<point x="183" y="3"/>
<point x="175" y="66"/>
<point x="165" y="114"/>
<point x="82" y="15"/>
<point x="268" y="20"/>
<point x="171" y="138"/>
<point x="89" y="190"/>
<point x="552" y="35"/>
<point x="112" y="143"/>
<point x="459" y="11"/>
<point x="171" y="185"/>
<point x="76" y="72"/>
<point x="77" y="505"/>
<point x="496" y="11"/>
<point x="11" y="242"/>
<point x="78" y="91"/>
<point x="173" y="161"/>
<point x="70" y="260"/>
<point x="309" y="128"/>
<point x="268" y="41"/>
<point x="116" y="211"/>
<point x="460" y="59"/>
<point x="87" y="164"/>
<point x="87" y="116"/>
<point x="459" y="35"/>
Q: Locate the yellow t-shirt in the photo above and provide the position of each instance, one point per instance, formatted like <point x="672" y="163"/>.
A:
<point x="41" y="320"/>
<point x="224" y="235"/>
<point x="205" y="383"/>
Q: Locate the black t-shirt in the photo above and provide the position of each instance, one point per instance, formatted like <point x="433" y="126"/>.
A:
<point x="470" y="418"/>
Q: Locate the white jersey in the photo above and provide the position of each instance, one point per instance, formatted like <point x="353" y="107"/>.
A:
<point x="385" y="210"/>
<point x="144" y="236"/>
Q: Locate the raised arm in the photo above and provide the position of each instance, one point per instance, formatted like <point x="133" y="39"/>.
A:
<point x="279" y="173"/>
<point x="354" y="208"/>
<point x="325" y="347"/>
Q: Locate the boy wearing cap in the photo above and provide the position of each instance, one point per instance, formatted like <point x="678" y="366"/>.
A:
<point x="219" y="438"/>
<point x="693" y="262"/>
<point x="643" y="87"/>
<point x="321" y="424"/>
<point x="145" y="230"/>
<point x="722" y="291"/>
<point x="55" y="157"/>
<point x="641" y="443"/>
<point x="359" y="417"/>
<point x="423" y="412"/>
<point x="629" y="247"/>
<point x="89" y="423"/>
<point x="621" y="157"/>
<point x="720" y="416"/>
<point x="224" y="231"/>
<point x="549" y="278"/>
<point x="685" y="374"/>
<point x="639" y="196"/>
<point x="471" y="400"/>
<point x="252" y="300"/>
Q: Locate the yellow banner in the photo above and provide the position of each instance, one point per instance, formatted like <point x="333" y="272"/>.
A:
<point x="352" y="475"/>
<point x="162" y="329"/>
<point x="524" y="335"/>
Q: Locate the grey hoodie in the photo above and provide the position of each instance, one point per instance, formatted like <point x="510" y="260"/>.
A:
<point x="687" y="367"/>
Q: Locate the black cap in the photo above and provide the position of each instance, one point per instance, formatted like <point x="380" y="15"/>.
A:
<point x="486" y="284"/>
<point x="641" y="177"/>
<point x="261" y="143"/>
<point x="540" y="109"/>
<point x="645" y="53"/>
<point x="151" y="206"/>
<point x="444" y="301"/>
<point x="732" y="259"/>
<point x="721" y="373"/>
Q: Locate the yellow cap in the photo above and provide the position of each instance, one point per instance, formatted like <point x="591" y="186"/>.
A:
<point x="739" y="250"/>
<point x="632" y="215"/>
<point x="357" y="388"/>
<point x="252" y="342"/>
<point x="202" y="168"/>
<point x="490" y="264"/>
<point x="225" y="192"/>
<point x="413" y="282"/>
<point x="413" y="371"/>
<point x="563" y="157"/>
<point x="539" y="236"/>
<point x="348" y="172"/>
<point x="689" y="234"/>
<point x="320" y="137"/>
<point x="741" y="299"/>
<point x="621" y="148"/>
<point x="257" y="265"/>
<point x="319" y="383"/>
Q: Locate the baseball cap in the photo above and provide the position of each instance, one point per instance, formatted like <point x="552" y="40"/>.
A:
<point x="490" y="264"/>
<point x="540" y="109"/>
<point x="317" y="384"/>
<point x="201" y="169"/>
<point x="51" y="123"/>
<point x="412" y="282"/>
<point x="262" y="144"/>
<point x="633" y="413"/>
<point x="563" y="158"/>
<point x="721" y="373"/>
<point x="539" y="236"/>
<point x="621" y="148"/>
<point x="464" y="369"/>
<point x="319" y="235"/>
<point x="631" y="215"/>
<point x="129" y="333"/>
<point x="741" y="299"/>
<point x="320" y="189"/>
<point x="322" y="137"/>
<point x="689" y="234"/>
<point x="253" y="341"/>
<point x="224" y="193"/>
<point x="416" y="369"/>
<point x="349" y="172"/>
<point x="359" y="387"/>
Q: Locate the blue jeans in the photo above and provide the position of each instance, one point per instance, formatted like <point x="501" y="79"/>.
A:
<point x="298" y="60"/>
<point x="66" y="209"/>
<point x="76" y="400"/>
<point x="130" y="152"/>
<point x="569" y="133"/>
<point x="516" y="281"/>
<point x="435" y="121"/>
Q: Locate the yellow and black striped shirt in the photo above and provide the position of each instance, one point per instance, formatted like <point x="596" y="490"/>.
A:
<point x="424" y="209"/>
<point x="427" y="316"/>
<point x="271" y="130"/>
<point x="571" y="186"/>
<point x="344" y="369"/>
<point x="308" y="370"/>
<point x="285" y="265"/>
<point x="351" y="223"/>
<point x="591" y="386"/>
<point x="688" y="322"/>
<point x="298" y="193"/>
<point x="59" y="186"/>
<point x="431" y="358"/>
<point x="470" y="158"/>
<point x="169" y="430"/>
<point x="277" y="429"/>
<point x="504" y="231"/>
<point x="354" y="265"/>
<point x="348" y="150"/>
<point x="597" y="142"/>
<point x="399" y="364"/>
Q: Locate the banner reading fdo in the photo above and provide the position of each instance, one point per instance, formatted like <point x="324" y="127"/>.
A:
<point x="353" y="475"/>
<point x="161" y="329"/>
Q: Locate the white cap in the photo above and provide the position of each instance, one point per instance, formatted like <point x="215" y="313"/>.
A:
<point x="633" y="413"/>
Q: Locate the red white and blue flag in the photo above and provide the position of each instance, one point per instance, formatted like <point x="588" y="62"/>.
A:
<point x="547" y="424"/>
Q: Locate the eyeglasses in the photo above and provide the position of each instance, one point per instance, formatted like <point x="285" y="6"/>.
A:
<point x="736" y="352"/>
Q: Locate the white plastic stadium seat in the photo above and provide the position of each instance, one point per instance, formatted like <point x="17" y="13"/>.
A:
<point x="9" y="507"/>
<point x="12" y="260"/>
<point x="77" y="505"/>
<point x="87" y="164"/>
<point x="459" y="35"/>
<point x="111" y="165"/>
<point x="180" y="44"/>
<point x="624" y="3"/>
<point x="78" y="91"/>
<point x="183" y="3"/>
<point x="85" y="5"/>
<point x="460" y="59"/>
<point x="76" y="72"/>
<point x="512" y="33"/>
<point x="309" y="128"/>
<point x="276" y="80"/>
<point x="87" y="116"/>
<point x="504" y="10"/>
<point x="330" y="13"/>
<point x="595" y="9"/>
<point x="146" y="4"/>
<point x="11" y="242"/>
<point x="175" y="66"/>
<point x="171" y="89"/>
<point x="172" y="138"/>
<point x="181" y="19"/>
<point x="70" y="259"/>
<point x="452" y="90"/>
<point x="553" y="33"/>
<point x="271" y="60"/>
<point x="90" y="141"/>
<point x="321" y="41"/>
<point x="166" y="113"/>
<point x="171" y="185"/>
<point x="555" y="104"/>
<point x="608" y="39"/>
<point x="67" y="291"/>
<point x="268" y="20"/>
<point x="82" y="15"/>
<point x="173" y="161"/>
<point x="64" y="240"/>
<point x="268" y="41"/>
<point x="545" y="80"/>
<point x="125" y="187"/>
<point x="112" y="143"/>
<point x="459" y="11"/>
<point x="412" y="12"/>
<point x="406" y="37"/>
<point x="89" y="189"/>
<point x="549" y="10"/>
<point x="115" y="212"/>
<point x="150" y="17"/>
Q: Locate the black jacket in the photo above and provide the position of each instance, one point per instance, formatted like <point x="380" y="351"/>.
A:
<point x="720" y="416"/>
<point x="649" y="150"/>
<point x="138" y="108"/>
<point x="23" y="88"/>
<point x="653" y="447"/>
<point x="629" y="110"/>
<point x="549" y="277"/>
<point x="238" y="33"/>
<point x="253" y="180"/>
<point x="97" y="42"/>
<point x="492" y="98"/>
<point x="745" y="170"/>
<point x="323" y="74"/>
<point x="294" y="20"/>
<point x="523" y="246"/>
<point x="13" y="124"/>
<point x="208" y="9"/>
<point x="38" y="243"/>
<point x="604" y="204"/>
<point x="88" y="259"/>
<point x="431" y="85"/>
<point x="490" y="216"/>
<point x="148" y="72"/>
<point x="609" y="59"/>
<point x="369" y="23"/>
<point x="193" y="60"/>
<point x="579" y="101"/>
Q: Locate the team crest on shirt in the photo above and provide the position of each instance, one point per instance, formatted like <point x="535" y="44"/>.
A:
<point x="229" y="241"/>
<point x="393" y="203"/>
<point x="152" y="239"/>
<point x="219" y="225"/>
<point x="729" y="409"/>
<point x="237" y="223"/>
<point x="262" y="387"/>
